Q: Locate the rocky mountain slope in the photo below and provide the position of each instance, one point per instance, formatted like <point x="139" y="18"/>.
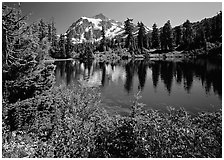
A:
<point x="88" y="29"/>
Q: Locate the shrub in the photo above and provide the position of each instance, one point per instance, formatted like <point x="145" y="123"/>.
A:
<point x="70" y="123"/>
<point x="61" y="122"/>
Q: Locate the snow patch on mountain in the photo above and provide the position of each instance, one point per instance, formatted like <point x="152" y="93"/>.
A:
<point x="88" y="29"/>
<point x="147" y="29"/>
<point x="79" y="23"/>
<point x="96" y="22"/>
<point x="113" y="31"/>
<point x="78" y="40"/>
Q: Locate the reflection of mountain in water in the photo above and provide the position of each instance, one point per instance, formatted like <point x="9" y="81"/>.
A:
<point x="89" y="73"/>
<point x="183" y="73"/>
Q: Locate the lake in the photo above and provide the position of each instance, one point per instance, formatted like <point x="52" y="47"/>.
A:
<point x="194" y="84"/>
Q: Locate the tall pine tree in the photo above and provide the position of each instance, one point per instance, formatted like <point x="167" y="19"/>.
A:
<point x="155" y="36"/>
<point x="188" y="36"/>
<point x="42" y="30"/>
<point x="23" y="73"/>
<point x="178" y="32"/>
<point x="103" y="40"/>
<point x="200" y="40"/>
<point x="167" y="37"/>
<point x="68" y="46"/>
<point x="141" y="35"/>
<point x="128" y="25"/>
<point x="62" y="43"/>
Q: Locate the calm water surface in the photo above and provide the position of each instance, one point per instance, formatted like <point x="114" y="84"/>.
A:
<point x="195" y="85"/>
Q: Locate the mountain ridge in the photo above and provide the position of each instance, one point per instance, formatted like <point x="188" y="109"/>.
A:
<point x="88" y="29"/>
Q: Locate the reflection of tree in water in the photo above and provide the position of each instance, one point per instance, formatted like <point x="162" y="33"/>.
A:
<point x="129" y="68"/>
<point x="60" y="68"/>
<point x="87" y="65"/>
<point x="167" y="74"/>
<point x="139" y="67"/>
<point x="65" y="70"/>
<point x="213" y="77"/>
<point x="77" y="69"/>
<point x="155" y="74"/>
<point x="103" y="67"/>
<point x="69" y="71"/>
<point x="217" y="82"/>
<point x="142" y="74"/>
<point x="187" y="69"/>
<point x="60" y="71"/>
<point x="207" y="71"/>
<point x="179" y="74"/>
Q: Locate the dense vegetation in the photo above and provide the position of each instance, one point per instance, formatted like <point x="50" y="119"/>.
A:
<point x="201" y="39"/>
<point x="39" y="120"/>
<point x="23" y="47"/>
<point x="72" y="123"/>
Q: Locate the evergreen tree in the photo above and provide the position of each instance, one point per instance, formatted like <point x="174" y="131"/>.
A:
<point x="68" y="47"/>
<point x="214" y="26"/>
<point x="218" y="28"/>
<point x="42" y="30"/>
<point x="178" y="32"/>
<point x="170" y="36"/>
<point x="155" y="36"/>
<point x="49" y="34"/>
<point x="53" y="34"/>
<point x="162" y="39"/>
<point x="200" y="40"/>
<point x="103" y="40"/>
<point x="141" y="35"/>
<point x="207" y="29"/>
<point x="23" y="73"/>
<point x="53" y="39"/>
<point x="187" y="35"/>
<point x="62" y="43"/>
<point x="128" y="25"/>
<point x="167" y="37"/>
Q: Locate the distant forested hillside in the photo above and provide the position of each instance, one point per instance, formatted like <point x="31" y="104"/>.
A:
<point x="198" y="34"/>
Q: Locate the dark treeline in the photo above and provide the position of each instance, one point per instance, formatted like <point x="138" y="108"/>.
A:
<point x="205" y="37"/>
<point x="188" y="36"/>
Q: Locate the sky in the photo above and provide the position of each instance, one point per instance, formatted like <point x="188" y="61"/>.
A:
<point x="65" y="13"/>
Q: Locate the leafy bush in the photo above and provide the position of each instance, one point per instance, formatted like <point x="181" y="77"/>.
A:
<point x="154" y="134"/>
<point x="71" y="123"/>
<point x="61" y="122"/>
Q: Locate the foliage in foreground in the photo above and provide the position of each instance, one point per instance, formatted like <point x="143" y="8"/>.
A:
<point x="71" y="123"/>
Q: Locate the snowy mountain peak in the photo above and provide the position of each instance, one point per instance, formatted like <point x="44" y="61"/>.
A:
<point x="88" y="29"/>
<point x="101" y="16"/>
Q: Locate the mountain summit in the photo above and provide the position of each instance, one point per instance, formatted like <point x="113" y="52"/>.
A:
<point x="101" y="16"/>
<point x="88" y="29"/>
